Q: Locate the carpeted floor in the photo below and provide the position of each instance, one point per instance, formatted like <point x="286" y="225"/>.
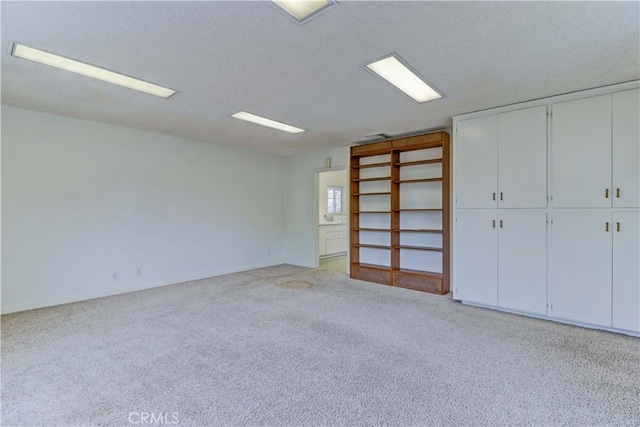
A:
<point x="242" y="350"/>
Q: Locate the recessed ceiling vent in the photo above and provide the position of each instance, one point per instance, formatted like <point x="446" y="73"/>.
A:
<point x="378" y="136"/>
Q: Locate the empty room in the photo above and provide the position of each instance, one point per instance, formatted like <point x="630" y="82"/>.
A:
<point x="320" y="213"/>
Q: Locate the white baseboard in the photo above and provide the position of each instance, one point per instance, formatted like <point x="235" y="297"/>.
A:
<point x="555" y="319"/>
<point x="66" y="299"/>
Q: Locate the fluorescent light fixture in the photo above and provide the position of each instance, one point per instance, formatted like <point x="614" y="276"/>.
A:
<point x="46" y="58"/>
<point x="302" y="10"/>
<point x="393" y="69"/>
<point x="243" y="115"/>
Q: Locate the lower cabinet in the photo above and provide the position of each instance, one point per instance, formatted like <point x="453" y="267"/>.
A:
<point x="626" y="270"/>
<point x="332" y="239"/>
<point x="581" y="263"/>
<point x="593" y="256"/>
<point x="595" y="273"/>
<point x="476" y="266"/>
<point x="501" y="258"/>
<point x="522" y="261"/>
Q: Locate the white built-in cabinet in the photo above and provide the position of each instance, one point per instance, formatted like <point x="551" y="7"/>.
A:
<point x="505" y="253"/>
<point x="626" y="270"/>
<point x="581" y="266"/>
<point x="595" y="154"/>
<point x="563" y="241"/>
<point x="502" y="160"/>
<point x="581" y="153"/>
<point x="626" y="150"/>
<point x="595" y="267"/>
<point x="477" y="245"/>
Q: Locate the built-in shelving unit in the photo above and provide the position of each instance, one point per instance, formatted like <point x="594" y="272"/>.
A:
<point x="400" y="212"/>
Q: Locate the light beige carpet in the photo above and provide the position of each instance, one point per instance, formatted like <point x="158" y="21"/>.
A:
<point x="241" y="350"/>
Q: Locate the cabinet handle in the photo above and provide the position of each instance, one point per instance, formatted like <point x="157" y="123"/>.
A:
<point x="494" y="196"/>
<point x="494" y="223"/>
<point x="606" y="193"/>
<point x="500" y="223"/>
<point x="606" y="227"/>
<point x="617" y="193"/>
<point x="501" y="195"/>
<point x="617" y="226"/>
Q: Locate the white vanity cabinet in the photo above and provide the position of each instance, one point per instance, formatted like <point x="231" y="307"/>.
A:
<point x="332" y="239"/>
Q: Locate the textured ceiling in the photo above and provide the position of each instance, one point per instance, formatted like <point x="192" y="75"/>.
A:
<point x="228" y="56"/>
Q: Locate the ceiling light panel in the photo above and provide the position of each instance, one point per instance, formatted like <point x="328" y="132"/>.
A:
<point x="243" y="115"/>
<point x="57" y="61"/>
<point x="395" y="71"/>
<point x="303" y="10"/>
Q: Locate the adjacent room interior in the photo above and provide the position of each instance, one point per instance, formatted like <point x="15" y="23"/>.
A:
<point x="285" y="213"/>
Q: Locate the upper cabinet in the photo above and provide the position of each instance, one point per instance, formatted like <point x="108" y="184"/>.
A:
<point x="626" y="149"/>
<point x="522" y="158"/>
<point x="502" y="160"/>
<point x="595" y="155"/>
<point x="477" y="163"/>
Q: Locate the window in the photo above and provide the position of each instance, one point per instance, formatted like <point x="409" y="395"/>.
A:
<point x="334" y="199"/>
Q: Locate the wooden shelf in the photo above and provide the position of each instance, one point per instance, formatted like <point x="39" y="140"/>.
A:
<point x="420" y="273"/>
<point x="418" y="162"/>
<point x="362" y="245"/>
<point x="434" y="195"/>
<point x="417" y="210"/>
<point x="419" y="230"/>
<point x="373" y="165"/>
<point x="418" y="248"/>
<point x="382" y="178"/>
<point x="414" y="181"/>
<point x="375" y="267"/>
<point x="373" y="194"/>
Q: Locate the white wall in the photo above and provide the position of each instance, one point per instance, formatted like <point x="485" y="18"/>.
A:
<point x="334" y="179"/>
<point x="83" y="200"/>
<point x="300" y="243"/>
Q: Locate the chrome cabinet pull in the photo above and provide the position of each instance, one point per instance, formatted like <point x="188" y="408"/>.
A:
<point x="494" y="196"/>
<point x="606" y="227"/>
<point x="494" y="223"/>
<point x="618" y="226"/>
<point x="501" y="195"/>
<point x="500" y="223"/>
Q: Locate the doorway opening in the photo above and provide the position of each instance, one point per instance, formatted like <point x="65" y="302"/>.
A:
<point x="331" y="220"/>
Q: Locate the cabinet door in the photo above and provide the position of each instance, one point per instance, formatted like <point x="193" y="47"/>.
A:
<point x="476" y="260"/>
<point x="626" y="148"/>
<point x="581" y="153"/>
<point x="522" y="158"/>
<point x="335" y="246"/>
<point x="626" y="271"/>
<point x="581" y="266"/>
<point x="522" y="261"/>
<point x="322" y="241"/>
<point x="477" y="163"/>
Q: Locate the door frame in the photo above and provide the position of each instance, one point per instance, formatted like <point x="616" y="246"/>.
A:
<point x="316" y="211"/>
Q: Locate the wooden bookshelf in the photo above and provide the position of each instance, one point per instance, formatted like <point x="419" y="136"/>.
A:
<point x="407" y="179"/>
